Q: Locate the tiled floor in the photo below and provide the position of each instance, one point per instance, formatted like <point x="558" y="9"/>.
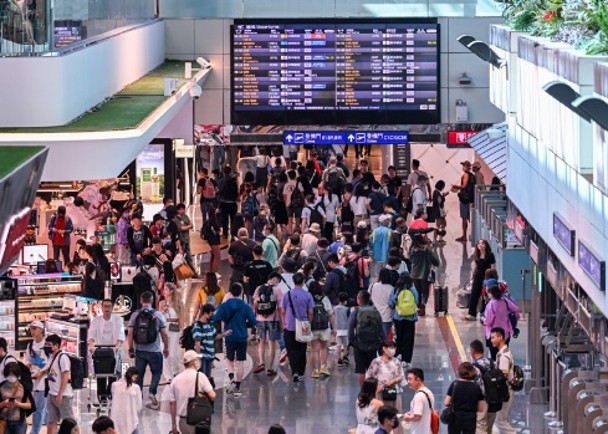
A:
<point x="328" y="405"/>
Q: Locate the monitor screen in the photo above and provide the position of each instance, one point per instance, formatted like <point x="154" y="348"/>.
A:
<point x="41" y="268"/>
<point x="340" y="71"/>
<point x="34" y="253"/>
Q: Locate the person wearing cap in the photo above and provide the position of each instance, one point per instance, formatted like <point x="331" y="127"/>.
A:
<point x="182" y="388"/>
<point x="479" y="178"/>
<point x="268" y="324"/>
<point x="387" y="369"/>
<point x="310" y="239"/>
<point x="379" y="242"/>
<point x="36" y="360"/>
<point x="466" y="192"/>
<point x="60" y="228"/>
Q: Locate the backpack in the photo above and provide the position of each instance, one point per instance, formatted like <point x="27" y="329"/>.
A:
<point x="146" y="331"/>
<point x="251" y="205"/>
<point x="315" y="215"/>
<point x="517" y="383"/>
<point x="297" y="197"/>
<point x="209" y="189"/>
<point x="25" y="375"/>
<point x="186" y="340"/>
<point x="351" y="280"/>
<point x="496" y="390"/>
<point x="267" y="302"/>
<point x="76" y="371"/>
<point x="320" y="318"/>
<point x="368" y="332"/>
<point x="467" y="194"/>
<point x="406" y="303"/>
<point x="142" y="282"/>
<point x="335" y="181"/>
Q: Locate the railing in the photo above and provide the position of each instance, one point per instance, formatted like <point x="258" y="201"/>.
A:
<point x="44" y="27"/>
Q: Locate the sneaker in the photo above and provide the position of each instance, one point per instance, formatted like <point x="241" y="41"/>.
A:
<point x="461" y="239"/>
<point x="237" y="393"/>
<point x="153" y="404"/>
<point x="259" y="369"/>
<point x="346" y="361"/>
<point x="324" y="372"/>
<point x="271" y="372"/>
<point x="231" y="387"/>
<point x="470" y="317"/>
<point x="297" y="378"/>
<point x="340" y="363"/>
<point x="315" y="373"/>
<point x="283" y="358"/>
<point x="422" y="310"/>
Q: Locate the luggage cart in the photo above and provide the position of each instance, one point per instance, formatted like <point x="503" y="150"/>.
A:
<point x="104" y="366"/>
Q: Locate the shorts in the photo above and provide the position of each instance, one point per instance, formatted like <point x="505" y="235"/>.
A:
<point x="342" y="340"/>
<point x="55" y="414"/>
<point x="268" y="330"/>
<point x="465" y="211"/>
<point x="321" y="335"/>
<point x="238" y="348"/>
<point x="293" y="211"/>
<point x="362" y="360"/>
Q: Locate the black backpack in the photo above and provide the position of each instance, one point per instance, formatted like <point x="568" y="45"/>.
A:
<point x="267" y="302"/>
<point x="517" y="383"/>
<point x="315" y="215"/>
<point x="496" y="389"/>
<point x="25" y="375"/>
<point x="76" y="370"/>
<point x="368" y="333"/>
<point x="320" y="318"/>
<point x="146" y="331"/>
<point x="142" y="282"/>
<point x="335" y="181"/>
<point x="350" y="283"/>
<point x="296" y="198"/>
<point x="186" y="340"/>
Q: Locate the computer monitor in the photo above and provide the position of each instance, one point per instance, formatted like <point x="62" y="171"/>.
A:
<point x="41" y="267"/>
<point x="34" y="253"/>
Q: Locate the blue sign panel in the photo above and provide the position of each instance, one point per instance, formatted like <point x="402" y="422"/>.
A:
<point x="345" y="137"/>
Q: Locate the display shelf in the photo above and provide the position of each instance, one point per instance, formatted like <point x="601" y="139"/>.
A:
<point x="8" y="311"/>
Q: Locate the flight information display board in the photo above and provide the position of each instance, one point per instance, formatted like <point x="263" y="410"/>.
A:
<point x="335" y="71"/>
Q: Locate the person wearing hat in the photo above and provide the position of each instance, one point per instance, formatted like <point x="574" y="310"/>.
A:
<point x="466" y="192"/>
<point x="479" y="179"/>
<point x="380" y="241"/>
<point x="60" y="228"/>
<point x="310" y="239"/>
<point x="36" y="360"/>
<point x="182" y="388"/>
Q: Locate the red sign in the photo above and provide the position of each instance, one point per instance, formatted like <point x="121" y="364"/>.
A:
<point x="11" y="239"/>
<point x="460" y="139"/>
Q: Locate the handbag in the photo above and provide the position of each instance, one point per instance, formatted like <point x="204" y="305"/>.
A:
<point x="183" y="272"/>
<point x="303" y="329"/>
<point x="448" y="416"/>
<point x="389" y="393"/>
<point x="199" y="408"/>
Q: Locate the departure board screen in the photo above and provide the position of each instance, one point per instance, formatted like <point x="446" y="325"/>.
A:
<point x="335" y="72"/>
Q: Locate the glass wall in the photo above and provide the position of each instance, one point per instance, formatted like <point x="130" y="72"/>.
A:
<point x="42" y="27"/>
<point x="326" y="8"/>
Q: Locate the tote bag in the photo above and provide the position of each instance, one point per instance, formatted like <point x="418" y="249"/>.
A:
<point x="303" y="329"/>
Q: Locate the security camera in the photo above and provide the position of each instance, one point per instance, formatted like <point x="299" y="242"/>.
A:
<point x="204" y="63"/>
<point x="464" y="80"/>
<point x="195" y="91"/>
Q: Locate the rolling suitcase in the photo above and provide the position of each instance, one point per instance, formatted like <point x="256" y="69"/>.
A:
<point x="440" y="294"/>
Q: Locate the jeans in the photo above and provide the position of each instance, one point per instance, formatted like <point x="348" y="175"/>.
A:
<point x="387" y="328"/>
<point x="405" y="332"/>
<point x="65" y="252"/>
<point x="205" y="207"/>
<point x="155" y="361"/>
<point x="296" y="352"/>
<point x="39" y="417"/>
<point x="206" y="367"/>
<point x="16" y="427"/>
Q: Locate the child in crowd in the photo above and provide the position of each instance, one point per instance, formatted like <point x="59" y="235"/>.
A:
<point x="341" y="312"/>
<point x="204" y="334"/>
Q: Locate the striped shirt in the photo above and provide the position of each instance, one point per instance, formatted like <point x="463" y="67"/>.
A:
<point x="204" y="332"/>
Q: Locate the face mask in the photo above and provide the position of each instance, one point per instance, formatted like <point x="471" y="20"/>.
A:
<point x="48" y="351"/>
<point x="390" y="352"/>
<point x="11" y="379"/>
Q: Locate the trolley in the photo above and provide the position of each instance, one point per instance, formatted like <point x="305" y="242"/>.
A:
<point x="104" y="367"/>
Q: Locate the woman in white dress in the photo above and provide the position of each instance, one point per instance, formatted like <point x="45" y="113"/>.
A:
<point x="168" y="306"/>
<point x="126" y="403"/>
<point x="367" y="407"/>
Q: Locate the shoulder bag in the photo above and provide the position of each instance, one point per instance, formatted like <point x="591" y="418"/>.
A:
<point x="434" y="415"/>
<point x="303" y="329"/>
<point x="448" y="416"/>
<point x="199" y="408"/>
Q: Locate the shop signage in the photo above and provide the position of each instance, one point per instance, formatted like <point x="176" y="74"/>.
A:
<point x="552" y="275"/>
<point x="533" y="251"/>
<point x="401" y="160"/>
<point x="592" y="264"/>
<point x="563" y="234"/>
<point x="182" y="150"/>
<point x="520" y="227"/>
<point x="345" y="137"/>
<point x="460" y="139"/>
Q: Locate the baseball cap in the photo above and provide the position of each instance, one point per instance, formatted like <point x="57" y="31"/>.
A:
<point x="189" y="356"/>
<point x="37" y="324"/>
<point x="466" y="163"/>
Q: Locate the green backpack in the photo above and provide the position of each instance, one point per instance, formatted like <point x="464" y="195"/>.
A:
<point x="406" y="303"/>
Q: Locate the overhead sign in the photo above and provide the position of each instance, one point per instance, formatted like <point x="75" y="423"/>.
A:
<point x="345" y="137"/>
<point x="460" y="139"/>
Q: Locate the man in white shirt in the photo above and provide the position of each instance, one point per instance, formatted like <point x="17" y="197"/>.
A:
<point x="107" y="330"/>
<point x="421" y="406"/>
<point x="59" y="399"/>
<point x="36" y="360"/>
<point x="419" y="197"/>
<point x="504" y="361"/>
<point x="182" y="388"/>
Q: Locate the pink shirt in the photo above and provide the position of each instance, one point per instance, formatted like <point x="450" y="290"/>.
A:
<point x="276" y="316"/>
<point x="497" y="315"/>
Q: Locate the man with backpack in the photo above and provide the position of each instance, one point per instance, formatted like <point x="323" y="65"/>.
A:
<point x="376" y="204"/>
<point x="147" y="327"/>
<point x="240" y="253"/>
<point x="493" y="401"/>
<point x="312" y="213"/>
<point x="335" y="279"/>
<point x="207" y="188"/>
<point x="504" y="361"/>
<point x="257" y="272"/>
<point x="266" y="302"/>
<point x="58" y="375"/>
<point x="365" y="333"/>
<point x="334" y="178"/>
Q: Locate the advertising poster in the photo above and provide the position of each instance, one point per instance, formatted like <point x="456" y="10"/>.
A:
<point x="150" y="168"/>
<point x="24" y="21"/>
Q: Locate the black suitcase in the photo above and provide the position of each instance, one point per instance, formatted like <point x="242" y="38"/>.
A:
<point x="104" y="361"/>
<point x="440" y="294"/>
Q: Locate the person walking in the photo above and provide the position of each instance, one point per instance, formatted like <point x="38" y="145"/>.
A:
<point x="228" y="192"/>
<point x="126" y="402"/>
<point x="421" y="405"/>
<point x="210" y="232"/>
<point x="60" y="229"/>
<point x="487" y="415"/>
<point x="497" y="314"/>
<point x="423" y="258"/>
<point x="504" y="361"/>
<point x="237" y="316"/>
<point x="466" y="196"/>
<point x="211" y="292"/>
<point x="16" y="402"/>
<point x="387" y="369"/>
<point x="168" y="305"/>
<point x="381" y="293"/>
<point x="380" y="242"/>
<point x="367" y="406"/>
<point x="322" y="319"/>
<point x="483" y="259"/>
<point x="36" y="360"/>
<point x="405" y="317"/>
<point x="266" y="304"/>
<point x="184" y="387"/>
<point x="240" y="253"/>
<point x="147" y="327"/>
<point x="207" y="189"/>
<point x="466" y="398"/>
<point x="60" y="394"/>
<point x="297" y="303"/>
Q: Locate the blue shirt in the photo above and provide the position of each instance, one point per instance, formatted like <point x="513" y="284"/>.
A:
<point x="380" y="243"/>
<point x="205" y="332"/>
<point x="161" y="323"/>
<point x="237" y="316"/>
<point x="393" y="303"/>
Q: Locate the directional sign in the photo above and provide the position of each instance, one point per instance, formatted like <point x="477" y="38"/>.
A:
<point x="345" y="137"/>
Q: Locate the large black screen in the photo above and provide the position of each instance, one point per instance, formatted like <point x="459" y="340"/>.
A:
<point x="335" y="72"/>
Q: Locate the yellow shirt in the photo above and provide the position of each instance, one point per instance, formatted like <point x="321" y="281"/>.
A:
<point x="201" y="296"/>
